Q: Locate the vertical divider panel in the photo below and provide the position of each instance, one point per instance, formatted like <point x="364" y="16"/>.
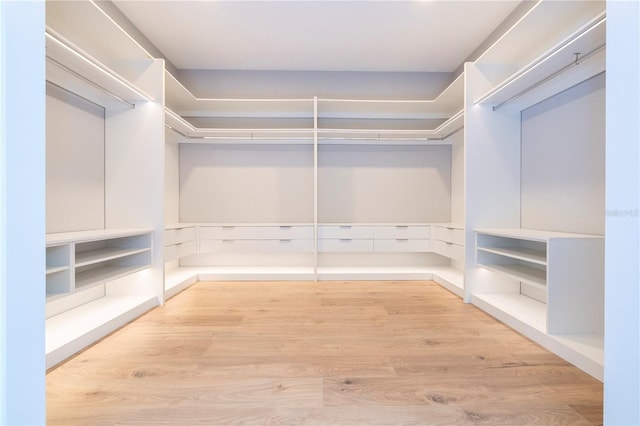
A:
<point x="492" y="175"/>
<point x="315" y="188"/>
<point x="575" y="287"/>
<point x="134" y="167"/>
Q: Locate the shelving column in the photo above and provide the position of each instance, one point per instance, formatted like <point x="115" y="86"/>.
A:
<point x="134" y="193"/>
<point x="492" y="174"/>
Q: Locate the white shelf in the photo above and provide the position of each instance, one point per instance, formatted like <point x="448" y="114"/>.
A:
<point x="520" y="272"/>
<point x="76" y="71"/>
<point x="98" y="33"/>
<point x="71" y="331"/>
<point x="180" y="100"/>
<point x="528" y="317"/>
<point x="90" y="257"/>
<point x="510" y="307"/>
<point x="107" y="273"/>
<point x="520" y="253"/>
<point x="55" y="269"/>
<point x="524" y="41"/>
<point x="531" y="234"/>
<point x="93" y="235"/>
<point x="560" y="58"/>
<point x="445" y="105"/>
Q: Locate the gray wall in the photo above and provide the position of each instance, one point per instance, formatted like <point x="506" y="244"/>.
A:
<point x="75" y="163"/>
<point x="563" y="161"/>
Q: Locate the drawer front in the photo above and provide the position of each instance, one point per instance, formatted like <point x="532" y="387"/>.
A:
<point x="185" y="234"/>
<point x="285" y="246"/>
<point x="228" y="246"/>
<point x="451" y="235"/>
<point x="392" y="232"/>
<point x="284" y="232"/>
<point x="170" y="253"/>
<point x="228" y="233"/>
<point x="187" y="248"/>
<point x="401" y="246"/>
<point x="450" y="250"/>
<point x="336" y="232"/>
<point x="345" y="245"/>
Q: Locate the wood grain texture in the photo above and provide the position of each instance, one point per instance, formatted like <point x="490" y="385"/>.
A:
<point x="326" y="353"/>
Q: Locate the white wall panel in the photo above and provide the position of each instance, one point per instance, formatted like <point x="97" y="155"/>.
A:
<point x="457" y="176"/>
<point x="563" y="161"/>
<point x="373" y="183"/>
<point x="75" y="163"/>
<point x="172" y="177"/>
<point x="246" y="183"/>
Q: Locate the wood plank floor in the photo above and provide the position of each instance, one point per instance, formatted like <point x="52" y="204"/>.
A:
<point x="326" y="353"/>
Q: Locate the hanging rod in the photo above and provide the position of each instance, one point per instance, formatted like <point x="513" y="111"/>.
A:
<point x="577" y="61"/>
<point x="581" y="32"/>
<point x="89" y="82"/>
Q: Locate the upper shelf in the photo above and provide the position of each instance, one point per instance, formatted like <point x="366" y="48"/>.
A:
<point x="547" y="24"/>
<point x="449" y="102"/>
<point x="180" y="100"/>
<point x="73" y="69"/>
<point x="86" y="26"/>
<point x="576" y="58"/>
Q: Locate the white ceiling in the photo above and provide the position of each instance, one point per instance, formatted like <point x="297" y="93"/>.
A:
<point x="426" y="36"/>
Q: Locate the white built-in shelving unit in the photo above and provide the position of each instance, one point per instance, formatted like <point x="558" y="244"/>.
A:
<point x="536" y="274"/>
<point x="256" y="188"/>
<point x="102" y="277"/>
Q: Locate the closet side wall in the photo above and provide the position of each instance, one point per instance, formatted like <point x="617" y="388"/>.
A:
<point x="563" y="161"/>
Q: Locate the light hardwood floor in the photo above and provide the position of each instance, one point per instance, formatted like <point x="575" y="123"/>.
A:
<point x="325" y="353"/>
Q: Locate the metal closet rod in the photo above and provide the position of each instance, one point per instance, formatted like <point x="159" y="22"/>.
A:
<point x="579" y="59"/>
<point x="89" y="82"/>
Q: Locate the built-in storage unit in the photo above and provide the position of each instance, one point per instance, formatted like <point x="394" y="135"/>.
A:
<point x="92" y="286"/>
<point x="534" y="179"/>
<point x="468" y="188"/>
<point x="105" y="126"/>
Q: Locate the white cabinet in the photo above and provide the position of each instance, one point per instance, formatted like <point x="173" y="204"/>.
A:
<point x="449" y="241"/>
<point x="256" y="238"/>
<point x="179" y="241"/>
<point x="374" y="238"/>
<point x="79" y="260"/>
<point x="558" y="277"/>
<point x="401" y="239"/>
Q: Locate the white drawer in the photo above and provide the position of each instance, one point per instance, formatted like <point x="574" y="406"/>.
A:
<point x="227" y="246"/>
<point x="187" y="248"/>
<point x="450" y="250"/>
<point x="228" y="232"/>
<point x="285" y="246"/>
<point x="451" y="235"/>
<point x="400" y="231"/>
<point x="400" y="245"/>
<point x="345" y="245"/>
<point x="170" y="253"/>
<point x="180" y="235"/>
<point x="176" y="251"/>
<point x="353" y="232"/>
<point x="284" y="232"/>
